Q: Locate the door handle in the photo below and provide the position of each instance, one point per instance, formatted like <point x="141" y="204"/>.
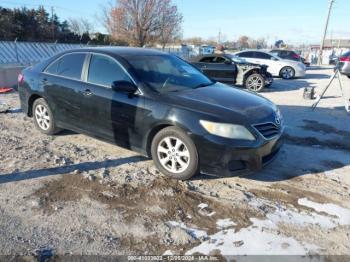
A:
<point x="87" y="92"/>
<point x="204" y="67"/>
<point x="44" y="81"/>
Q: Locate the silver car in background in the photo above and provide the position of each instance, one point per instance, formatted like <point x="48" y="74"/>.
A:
<point x="344" y="64"/>
<point x="277" y="66"/>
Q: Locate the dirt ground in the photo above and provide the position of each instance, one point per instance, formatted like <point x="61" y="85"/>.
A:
<point x="72" y="194"/>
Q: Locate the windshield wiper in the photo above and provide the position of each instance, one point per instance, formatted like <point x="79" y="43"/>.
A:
<point x="204" y="85"/>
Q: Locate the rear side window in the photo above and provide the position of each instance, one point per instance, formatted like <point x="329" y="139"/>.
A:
<point x="68" y="66"/>
<point x="103" y="70"/>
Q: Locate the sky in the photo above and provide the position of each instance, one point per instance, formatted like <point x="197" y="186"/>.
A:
<point x="295" y="21"/>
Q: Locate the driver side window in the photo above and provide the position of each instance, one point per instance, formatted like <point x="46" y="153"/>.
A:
<point x="104" y="70"/>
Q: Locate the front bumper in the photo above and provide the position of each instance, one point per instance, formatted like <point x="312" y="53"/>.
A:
<point x="221" y="159"/>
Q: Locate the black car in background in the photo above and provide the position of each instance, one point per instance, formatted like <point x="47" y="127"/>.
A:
<point x="233" y="70"/>
<point x="155" y="104"/>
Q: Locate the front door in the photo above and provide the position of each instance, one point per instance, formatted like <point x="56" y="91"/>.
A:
<point x="113" y="115"/>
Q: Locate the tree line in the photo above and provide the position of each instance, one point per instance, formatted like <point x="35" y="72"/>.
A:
<point x="38" y="25"/>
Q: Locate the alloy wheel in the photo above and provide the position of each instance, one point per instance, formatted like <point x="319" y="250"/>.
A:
<point x="42" y="117"/>
<point x="287" y="73"/>
<point x="173" y="154"/>
<point x="255" y="83"/>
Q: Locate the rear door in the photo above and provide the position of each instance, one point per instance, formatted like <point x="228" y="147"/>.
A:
<point x="61" y="82"/>
<point x="269" y="60"/>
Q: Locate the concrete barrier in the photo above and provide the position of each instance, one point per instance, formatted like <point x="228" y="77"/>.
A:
<point x="8" y="76"/>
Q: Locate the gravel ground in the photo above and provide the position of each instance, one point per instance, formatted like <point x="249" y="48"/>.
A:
<point x="72" y="194"/>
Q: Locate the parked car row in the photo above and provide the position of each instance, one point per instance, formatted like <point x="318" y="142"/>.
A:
<point x="252" y="69"/>
<point x="156" y="104"/>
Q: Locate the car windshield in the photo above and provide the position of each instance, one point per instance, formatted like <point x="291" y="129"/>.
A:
<point x="166" y="73"/>
<point x="236" y="59"/>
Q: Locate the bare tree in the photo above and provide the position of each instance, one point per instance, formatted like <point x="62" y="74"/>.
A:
<point x="80" y="26"/>
<point x="139" y="21"/>
<point x="170" y="21"/>
<point x="243" y="42"/>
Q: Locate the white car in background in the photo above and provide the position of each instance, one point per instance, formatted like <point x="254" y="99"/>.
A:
<point x="277" y="67"/>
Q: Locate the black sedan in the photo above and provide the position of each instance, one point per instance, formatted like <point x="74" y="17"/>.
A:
<point x="234" y="70"/>
<point x="155" y="104"/>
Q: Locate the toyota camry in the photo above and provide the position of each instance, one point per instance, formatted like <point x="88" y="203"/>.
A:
<point x="156" y="104"/>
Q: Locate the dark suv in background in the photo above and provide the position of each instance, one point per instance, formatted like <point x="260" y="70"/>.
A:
<point x="289" y="55"/>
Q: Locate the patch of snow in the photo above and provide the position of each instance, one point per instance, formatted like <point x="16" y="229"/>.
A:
<point x="253" y="241"/>
<point x="301" y="219"/>
<point x="195" y="233"/>
<point x="225" y="223"/>
<point x="202" y="206"/>
<point x="168" y="253"/>
<point x="343" y="214"/>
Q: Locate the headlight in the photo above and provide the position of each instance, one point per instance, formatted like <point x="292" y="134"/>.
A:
<point x="227" y="130"/>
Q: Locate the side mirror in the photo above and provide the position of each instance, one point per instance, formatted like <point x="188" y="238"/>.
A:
<point x="124" y="86"/>
<point x="274" y="59"/>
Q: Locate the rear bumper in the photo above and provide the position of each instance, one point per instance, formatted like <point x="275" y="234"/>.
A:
<point x="220" y="159"/>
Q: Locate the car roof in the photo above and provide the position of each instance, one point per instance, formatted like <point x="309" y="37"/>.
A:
<point x="120" y="51"/>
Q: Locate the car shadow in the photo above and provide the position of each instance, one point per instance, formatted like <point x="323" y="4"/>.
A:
<point x="281" y="85"/>
<point x="54" y="171"/>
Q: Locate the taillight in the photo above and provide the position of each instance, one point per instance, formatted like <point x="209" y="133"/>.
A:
<point x="20" y="79"/>
<point x="345" y="59"/>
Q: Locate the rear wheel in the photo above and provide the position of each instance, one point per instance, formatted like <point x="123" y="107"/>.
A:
<point x="43" y="117"/>
<point x="175" y="154"/>
<point x="287" y="72"/>
<point x="255" y="82"/>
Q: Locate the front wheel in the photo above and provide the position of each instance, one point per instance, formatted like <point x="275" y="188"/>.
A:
<point x="255" y="82"/>
<point x="287" y="72"/>
<point x="175" y="154"/>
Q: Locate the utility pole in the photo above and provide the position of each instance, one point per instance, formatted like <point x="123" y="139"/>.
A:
<point x="52" y="24"/>
<point x="331" y="2"/>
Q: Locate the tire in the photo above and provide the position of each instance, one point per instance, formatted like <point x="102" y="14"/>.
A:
<point x="287" y="72"/>
<point x="181" y="163"/>
<point x="255" y="82"/>
<point x="43" y="117"/>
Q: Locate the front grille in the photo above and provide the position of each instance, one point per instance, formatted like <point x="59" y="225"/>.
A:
<point x="268" y="130"/>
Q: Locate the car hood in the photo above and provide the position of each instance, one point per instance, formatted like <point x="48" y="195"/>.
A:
<point x="227" y="103"/>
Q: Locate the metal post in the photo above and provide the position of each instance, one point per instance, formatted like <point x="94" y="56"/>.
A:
<point x="16" y="50"/>
<point x="331" y="2"/>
